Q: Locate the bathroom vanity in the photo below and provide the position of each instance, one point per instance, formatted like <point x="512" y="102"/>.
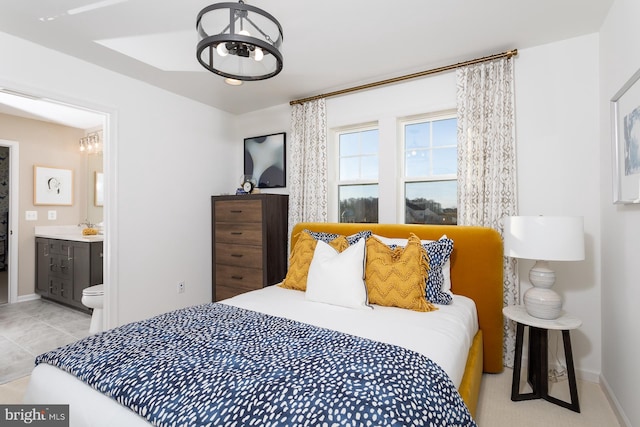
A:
<point x="65" y="265"/>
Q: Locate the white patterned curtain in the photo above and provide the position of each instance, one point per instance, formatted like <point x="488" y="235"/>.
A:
<point x="487" y="161"/>
<point x="308" y="170"/>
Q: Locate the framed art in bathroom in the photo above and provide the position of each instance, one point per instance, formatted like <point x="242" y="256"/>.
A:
<point x="625" y="126"/>
<point x="265" y="160"/>
<point x="52" y="186"/>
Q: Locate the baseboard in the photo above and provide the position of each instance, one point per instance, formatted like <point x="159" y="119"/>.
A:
<point x="613" y="402"/>
<point x="590" y="376"/>
<point x="30" y="297"/>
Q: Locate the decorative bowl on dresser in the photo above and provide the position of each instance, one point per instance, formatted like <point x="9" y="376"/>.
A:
<point x="249" y="242"/>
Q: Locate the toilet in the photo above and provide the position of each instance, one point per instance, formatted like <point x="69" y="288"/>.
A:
<point x="93" y="297"/>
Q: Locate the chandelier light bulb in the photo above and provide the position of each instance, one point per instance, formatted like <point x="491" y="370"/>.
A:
<point x="244" y="33"/>
<point x="258" y="54"/>
<point x="222" y="49"/>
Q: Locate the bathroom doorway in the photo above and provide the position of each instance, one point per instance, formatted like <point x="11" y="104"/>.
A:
<point x="9" y="175"/>
<point x="45" y="111"/>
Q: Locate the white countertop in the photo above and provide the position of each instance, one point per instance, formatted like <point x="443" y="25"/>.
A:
<point x="66" y="232"/>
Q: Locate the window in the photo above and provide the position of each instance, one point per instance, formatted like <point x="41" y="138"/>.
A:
<point x="430" y="167"/>
<point x="358" y="175"/>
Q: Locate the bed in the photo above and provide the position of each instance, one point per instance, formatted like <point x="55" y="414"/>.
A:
<point x="476" y="282"/>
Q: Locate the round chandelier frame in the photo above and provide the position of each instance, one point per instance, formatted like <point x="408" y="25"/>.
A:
<point x="239" y="41"/>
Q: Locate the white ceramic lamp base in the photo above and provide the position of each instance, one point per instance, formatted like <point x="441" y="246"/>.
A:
<point x="541" y="301"/>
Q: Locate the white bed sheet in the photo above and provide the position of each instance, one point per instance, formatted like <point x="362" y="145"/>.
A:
<point x="444" y="335"/>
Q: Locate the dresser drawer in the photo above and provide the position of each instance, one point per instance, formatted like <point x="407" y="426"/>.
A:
<point x="239" y="255"/>
<point x="241" y="233"/>
<point x="244" y="278"/>
<point x="224" y="292"/>
<point x="240" y="211"/>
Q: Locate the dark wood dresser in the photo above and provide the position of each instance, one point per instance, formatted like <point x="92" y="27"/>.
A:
<point x="249" y="242"/>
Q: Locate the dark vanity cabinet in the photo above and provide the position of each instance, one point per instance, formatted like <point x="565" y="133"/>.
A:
<point x="64" y="268"/>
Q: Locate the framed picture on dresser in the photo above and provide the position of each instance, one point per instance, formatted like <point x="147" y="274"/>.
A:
<point x="265" y="160"/>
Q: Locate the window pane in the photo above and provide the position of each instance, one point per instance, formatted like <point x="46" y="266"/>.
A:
<point x="359" y="155"/>
<point x="349" y="144"/>
<point x="358" y="203"/>
<point x="369" y="167"/>
<point x="369" y="142"/>
<point x="430" y="148"/>
<point x="445" y="161"/>
<point x="417" y="163"/>
<point x="445" y="132"/>
<point x="417" y="135"/>
<point x="349" y="168"/>
<point x="432" y="202"/>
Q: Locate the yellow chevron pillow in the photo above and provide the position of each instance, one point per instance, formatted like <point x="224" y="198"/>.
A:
<point x="301" y="257"/>
<point x="396" y="277"/>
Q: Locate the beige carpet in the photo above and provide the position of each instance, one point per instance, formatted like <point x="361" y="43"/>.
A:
<point x="495" y="408"/>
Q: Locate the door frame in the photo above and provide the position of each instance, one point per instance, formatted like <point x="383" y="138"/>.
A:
<point x="110" y="219"/>
<point x="14" y="217"/>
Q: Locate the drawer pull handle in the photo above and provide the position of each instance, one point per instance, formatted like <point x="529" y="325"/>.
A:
<point x="236" y="277"/>
<point x="237" y="255"/>
<point x="236" y="233"/>
<point x="237" y="211"/>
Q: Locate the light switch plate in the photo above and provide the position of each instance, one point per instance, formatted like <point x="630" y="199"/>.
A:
<point x="52" y="215"/>
<point x="31" y="215"/>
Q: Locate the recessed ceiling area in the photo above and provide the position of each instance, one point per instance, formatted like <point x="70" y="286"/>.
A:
<point x="328" y="45"/>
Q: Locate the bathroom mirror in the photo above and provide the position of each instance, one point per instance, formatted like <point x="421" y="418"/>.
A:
<point x="94" y="187"/>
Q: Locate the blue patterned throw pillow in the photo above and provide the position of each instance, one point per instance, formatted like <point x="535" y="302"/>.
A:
<point x="328" y="237"/>
<point x="438" y="253"/>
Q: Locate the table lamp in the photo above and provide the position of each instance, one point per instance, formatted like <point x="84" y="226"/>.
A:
<point x="544" y="239"/>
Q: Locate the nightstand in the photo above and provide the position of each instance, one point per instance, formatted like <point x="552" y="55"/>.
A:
<point x="537" y="372"/>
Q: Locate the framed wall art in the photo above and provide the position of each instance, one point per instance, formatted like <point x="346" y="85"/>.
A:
<point x="52" y="186"/>
<point x="625" y="126"/>
<point x="265" y="160"/>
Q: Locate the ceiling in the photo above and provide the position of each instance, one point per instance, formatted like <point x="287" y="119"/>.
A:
<point x="328" y="44"/>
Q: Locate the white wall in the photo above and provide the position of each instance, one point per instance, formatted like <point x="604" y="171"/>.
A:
<point x="167" y="155"/>
<point x="557" y="125"/>
<point x="619" y="60"/>
<point x="557" y="148"/>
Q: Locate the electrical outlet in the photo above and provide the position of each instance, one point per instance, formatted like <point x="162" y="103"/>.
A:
<point x="52" y="215"/>
<point x="181" y="287"/>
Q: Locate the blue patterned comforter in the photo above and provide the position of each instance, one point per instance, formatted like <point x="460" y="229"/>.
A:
<point x="220" y="365"/>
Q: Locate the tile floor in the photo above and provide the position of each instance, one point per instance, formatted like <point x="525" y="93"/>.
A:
<point x="30" y="328"/>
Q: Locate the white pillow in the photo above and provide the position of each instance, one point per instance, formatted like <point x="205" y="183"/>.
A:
<point x="446" y="267"/>
<point x="337" y="278"/>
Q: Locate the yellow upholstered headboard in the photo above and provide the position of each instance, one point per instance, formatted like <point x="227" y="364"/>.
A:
<point x="476" y="270"/>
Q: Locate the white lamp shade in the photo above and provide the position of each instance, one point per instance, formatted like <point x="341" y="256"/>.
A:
<point x="548" y="238"/>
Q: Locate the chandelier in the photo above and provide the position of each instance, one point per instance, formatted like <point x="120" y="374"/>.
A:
<point x="239" y="42"/>
<point x="91" y="143"/>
